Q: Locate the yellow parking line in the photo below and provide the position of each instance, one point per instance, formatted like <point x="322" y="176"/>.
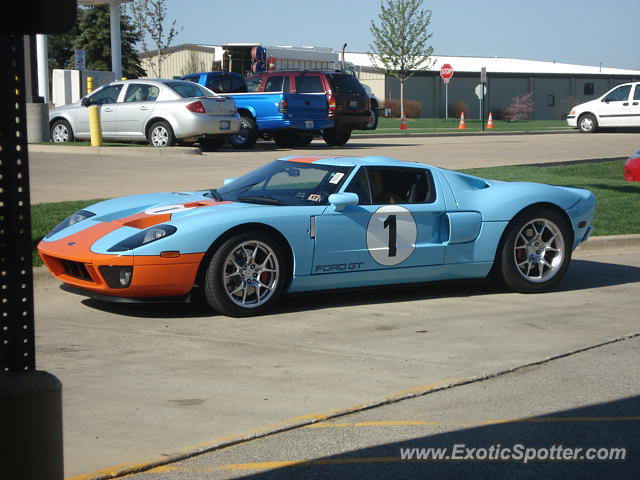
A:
<point x="410" y="423"/>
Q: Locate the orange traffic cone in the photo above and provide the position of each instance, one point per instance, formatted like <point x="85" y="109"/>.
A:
<point x="403" y="123"/>
<point x="462" y="125"/>
<point x="490" y="122"/>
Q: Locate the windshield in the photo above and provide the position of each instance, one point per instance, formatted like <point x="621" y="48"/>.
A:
<point x="286" y="183"/>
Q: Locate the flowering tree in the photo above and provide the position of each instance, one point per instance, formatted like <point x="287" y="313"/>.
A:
<point x="521" y="107"/>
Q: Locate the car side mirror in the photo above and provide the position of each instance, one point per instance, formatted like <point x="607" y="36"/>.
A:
<point x="605" y="101"/>
<point x="85" y="102"/>
<point x="228" y="180"/>
<point x="342" y="200"/>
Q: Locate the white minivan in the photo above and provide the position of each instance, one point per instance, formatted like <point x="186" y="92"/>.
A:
<point x="619" y="107"/>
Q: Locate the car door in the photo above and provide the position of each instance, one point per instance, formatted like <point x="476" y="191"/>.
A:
<point x="136" y="107"/>
<point x="397" y="223"/>
<point x="105" y="98"/>
<point x="634" y="110"/>
<point x="614" y="109"/>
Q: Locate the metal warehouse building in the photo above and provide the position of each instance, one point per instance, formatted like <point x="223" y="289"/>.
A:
<point x="556" y="86"/>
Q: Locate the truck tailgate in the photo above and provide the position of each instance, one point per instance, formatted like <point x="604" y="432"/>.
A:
<point x="307" y="106"/>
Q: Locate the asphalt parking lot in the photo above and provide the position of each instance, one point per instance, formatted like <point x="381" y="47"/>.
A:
<point x="144" y="384"/>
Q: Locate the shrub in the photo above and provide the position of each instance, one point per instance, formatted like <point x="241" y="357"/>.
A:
<point x="521" y="107"/>
<point x="458" y="107"/>
<point x="412" y="109"/>
<point x="504" y="114"/>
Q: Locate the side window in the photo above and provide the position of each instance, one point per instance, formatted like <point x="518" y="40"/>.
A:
<point x="274" y="84"/>
<point x="253" y="83"/>
<point x="360" y="186"/>
<point x="400" y="185"/>
<point x="106" y="95"/>
<point x="636" y="94"/>
<point x="219" y="84"/>
<point x="620" y="94"/>
<point x="138" y="92"/>
<point x="309" y="84"/>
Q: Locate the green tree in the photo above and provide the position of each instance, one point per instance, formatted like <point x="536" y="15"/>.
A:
<point x="150" y="20"/>
<point x="61" y="46"/>
<point x="95" y="38"/>
<point x="400" y="40"/>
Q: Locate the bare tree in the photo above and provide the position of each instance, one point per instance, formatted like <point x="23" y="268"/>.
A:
<point x="150" y="19"/>
<point x="400" y="40"/>
<point x="195" y="63"/>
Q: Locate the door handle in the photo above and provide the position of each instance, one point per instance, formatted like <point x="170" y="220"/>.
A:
<point x="144" y="108"/>
<point x="108" y="109"/>
<point x="625" y="104"/>
<point x="635" y="103"/>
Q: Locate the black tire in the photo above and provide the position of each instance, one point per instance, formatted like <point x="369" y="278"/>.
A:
<point x="373" y="120"/>
<point x="228" y="278"/>
<point x="61" y="132"/>
<point x="336" y="138"/>
<point x="291" y="139"/>
<point x="211" y="143"/>
<point x="247" y="136"/>
<point x="161" y="135"/>
<point x="587" y="123"/>
<point x="533" y="238"/>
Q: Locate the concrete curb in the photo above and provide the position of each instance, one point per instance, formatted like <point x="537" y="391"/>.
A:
<point x="459" y="134"/>
<point x="610" y="242"/>
<point x="142" y="150"/>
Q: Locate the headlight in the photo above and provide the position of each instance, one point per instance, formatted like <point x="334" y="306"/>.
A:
<point x="573" y="112"/>
<point x="70" y="220"/>
<point x="142" y="238"/>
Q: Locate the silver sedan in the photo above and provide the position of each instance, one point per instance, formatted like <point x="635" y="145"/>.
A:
<point x="161" y="112"/>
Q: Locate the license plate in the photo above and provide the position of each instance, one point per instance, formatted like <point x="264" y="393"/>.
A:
<point x="225" y="125"/>
<point x="309" y="124"/>
<point x="353" y="104"/>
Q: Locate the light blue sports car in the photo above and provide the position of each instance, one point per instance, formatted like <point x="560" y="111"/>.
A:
<point x="314" y="223"/>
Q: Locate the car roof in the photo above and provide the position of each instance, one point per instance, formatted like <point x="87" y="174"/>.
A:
<point x="149" y="80"/>
<point x="344" y="161"/>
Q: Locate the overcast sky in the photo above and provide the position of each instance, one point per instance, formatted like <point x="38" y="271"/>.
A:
<point x="573" y="31"/>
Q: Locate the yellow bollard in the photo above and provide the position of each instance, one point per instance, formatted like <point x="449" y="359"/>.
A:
<point x="94" y="126"/>
<point x="89" y="85"/>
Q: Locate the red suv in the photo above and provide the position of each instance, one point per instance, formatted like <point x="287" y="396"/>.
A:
<point x="349" y="105"/>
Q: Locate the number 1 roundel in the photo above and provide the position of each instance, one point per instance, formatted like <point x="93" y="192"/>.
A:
<point x="391" y="235"/>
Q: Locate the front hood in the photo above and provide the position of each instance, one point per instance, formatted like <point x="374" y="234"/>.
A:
<point x="128" y="215"/>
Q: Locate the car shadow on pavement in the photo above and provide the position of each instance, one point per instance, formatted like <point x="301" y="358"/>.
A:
<point x="318" y="148"/>
<point x="608" y="428"/>
<point x="582" y="275"/>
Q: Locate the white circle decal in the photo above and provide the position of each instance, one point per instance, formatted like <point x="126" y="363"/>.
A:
<point x="391" y="235"/>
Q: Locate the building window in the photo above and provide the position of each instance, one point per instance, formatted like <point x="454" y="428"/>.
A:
<point x="588" y="89"/>
<point x="551" y="100"/>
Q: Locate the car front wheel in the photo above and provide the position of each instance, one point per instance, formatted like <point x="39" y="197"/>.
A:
<point x="587" y="123"/>
<point x="246" y="275"/>
<point x="536" y="251"/>
<point x="61" y="132"/>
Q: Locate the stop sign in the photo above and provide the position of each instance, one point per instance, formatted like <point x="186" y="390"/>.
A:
<point x="446" y="71"/>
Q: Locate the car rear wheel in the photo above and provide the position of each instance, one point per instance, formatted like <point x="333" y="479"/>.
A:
<point x="336" y="138"/>
<point x="247" y="136"/>
<point x="246" y="275"/>
<point x="587" y="123"/>
<point x="536" y="251"/>
<point x="161" y="135"/>
<point x="373" y="120"/>
<point x="61" y="132"/>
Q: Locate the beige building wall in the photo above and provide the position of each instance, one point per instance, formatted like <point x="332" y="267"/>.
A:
<point x="375" y="80"/>
<point x="179" y="63"/>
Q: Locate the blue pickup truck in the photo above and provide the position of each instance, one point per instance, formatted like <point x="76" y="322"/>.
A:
<point x="291" y="119"/>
